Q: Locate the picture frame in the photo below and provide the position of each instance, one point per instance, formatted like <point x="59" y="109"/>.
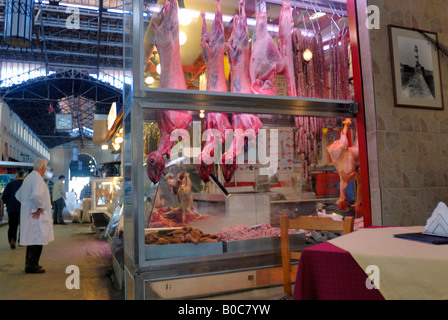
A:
<point x="415" y="61"/>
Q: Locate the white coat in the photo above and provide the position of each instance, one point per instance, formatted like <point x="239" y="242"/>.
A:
<point x="34" y="194"/>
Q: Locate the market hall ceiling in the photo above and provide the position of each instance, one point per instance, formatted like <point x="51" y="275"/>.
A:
<point x="71" y="56"/>
<point x="67" y="92"/>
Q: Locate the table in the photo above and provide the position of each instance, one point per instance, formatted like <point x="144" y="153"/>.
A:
<point x="408" y="269"/>
<point x="327" y="272"/>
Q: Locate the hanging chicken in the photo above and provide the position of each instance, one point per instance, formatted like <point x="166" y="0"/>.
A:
<point x="167" y="41"/>
<point x="345" y="159"/>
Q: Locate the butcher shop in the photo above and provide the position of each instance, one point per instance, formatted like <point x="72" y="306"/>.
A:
<point x="242" y="113"/>
<point x="224" y="150"/>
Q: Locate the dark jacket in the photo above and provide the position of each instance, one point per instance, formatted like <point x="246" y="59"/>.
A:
<point x="9" y="196"/>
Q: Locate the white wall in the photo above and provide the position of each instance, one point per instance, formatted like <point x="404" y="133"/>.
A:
<point x="12" y="143"/>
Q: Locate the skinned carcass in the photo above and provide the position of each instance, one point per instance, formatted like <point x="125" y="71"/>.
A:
<point x="286" y="23"/>
<point x="265" y="60"/>
<point x="167" y="41"/>
<point x="216" y="123"/>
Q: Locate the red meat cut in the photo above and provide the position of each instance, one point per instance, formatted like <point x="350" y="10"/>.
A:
<point x="167" y="41"/>
<point x="265" y="61"/>
<point x="285" y="26"/>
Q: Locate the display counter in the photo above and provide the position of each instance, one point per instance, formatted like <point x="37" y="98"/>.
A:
<point x="210" y="162"/>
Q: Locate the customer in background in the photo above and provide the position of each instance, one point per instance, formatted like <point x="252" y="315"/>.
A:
<point x="13" y="206"/>
<point x="36" y="229"/>
<point x="59" y="198"/>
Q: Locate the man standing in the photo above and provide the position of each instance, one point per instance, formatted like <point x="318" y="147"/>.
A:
<point x="59" y="200"/>
<point x="36" y="229"/>
<point x="13" y="206"/>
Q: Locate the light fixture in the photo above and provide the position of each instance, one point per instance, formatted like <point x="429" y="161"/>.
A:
<point x="118" y="140"/>
<point x="201" y="114"/>
<point x="158" y="68"/>
<point x="149" y="80"/>
<point x="307" y="55"/>
<point x="186" y="16"/>
<point x="116" y="146"/>
<point x="18" y="24"/>
<point x="104" y="147"/>
<point x="182" y="38"/>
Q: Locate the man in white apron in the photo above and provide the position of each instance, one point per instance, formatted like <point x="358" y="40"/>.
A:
<point x="36" y="224"/>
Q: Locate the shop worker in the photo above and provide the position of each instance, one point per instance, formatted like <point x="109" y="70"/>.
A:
<point x="13" y="206"/>
<point x="36" y="227"/>
<point x="59" y="198"/>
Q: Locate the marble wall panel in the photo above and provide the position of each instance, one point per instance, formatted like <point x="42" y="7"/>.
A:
<point x="409" y="145"/>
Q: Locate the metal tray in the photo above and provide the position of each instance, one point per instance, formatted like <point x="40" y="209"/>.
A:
<point x="165" y="251"/>
<point x="262" y="243"/>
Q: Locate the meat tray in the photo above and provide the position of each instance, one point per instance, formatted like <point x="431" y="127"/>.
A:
<point x="165" y="251"/>
<point x="262" y="243"/>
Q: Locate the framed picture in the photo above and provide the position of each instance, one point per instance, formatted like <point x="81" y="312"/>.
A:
<point x="415" y="68"/>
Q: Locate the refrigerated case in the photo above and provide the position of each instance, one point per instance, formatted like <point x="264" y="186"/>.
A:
<point x="105" y="193"/>
<point x="186" y="223"/>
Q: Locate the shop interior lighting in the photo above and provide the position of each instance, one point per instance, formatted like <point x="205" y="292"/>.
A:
<point x="186" y="16"/>
<point x="201" y="114"/>
<point x="104" y="147"/>
<point x="307" y="55"/>
<point x="149" y="80"/>
<point x="158" y="68"/>
<point x="116" y="146"/>
<point x="182" y="38"/>
<point x="118" y="140"/>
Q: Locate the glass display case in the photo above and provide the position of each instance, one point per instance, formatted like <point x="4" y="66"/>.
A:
<point x="105" y="193"/>
<point x="225" y="132"/>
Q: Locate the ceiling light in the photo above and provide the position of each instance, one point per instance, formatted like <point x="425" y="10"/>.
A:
<point x="159" y="69"/>
<point x="307" y="55"/>
<point x="186" y="16"/>
<point x="116" y="147"/>
<point x="202" y="115"/>
<point x="182" y="38"/>
<point x="118" y="140"/>
<point x="149" y="80"/>
<point x="104" y="147"/>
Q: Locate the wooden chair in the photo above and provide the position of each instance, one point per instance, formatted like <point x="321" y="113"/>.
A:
<point x="306" y="223"/>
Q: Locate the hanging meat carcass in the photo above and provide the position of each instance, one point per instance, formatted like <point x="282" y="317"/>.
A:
<point x="344" y="159"/>
<point x="216" y="123"/>
<point x="167" y="41"/>
<point x="245" y="130"/>
<point x="265" y="61"/>
<point x="238" y="48"/>
<point x="285" y="26"/>
<point x="213" y="51"/>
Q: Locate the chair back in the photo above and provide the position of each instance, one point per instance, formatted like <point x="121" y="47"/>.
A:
<point x="306" y="223"/>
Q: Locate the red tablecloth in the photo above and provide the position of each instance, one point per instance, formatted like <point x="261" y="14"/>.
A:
<point x="327" y="272"/>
